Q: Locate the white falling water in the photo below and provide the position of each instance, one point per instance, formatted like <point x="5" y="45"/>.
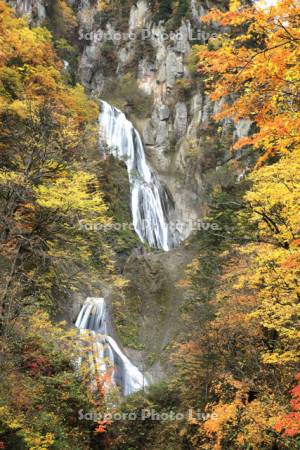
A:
<point x="106" y="353"/>
<point x="150" y="201"/>
<point x="150" y="205"/>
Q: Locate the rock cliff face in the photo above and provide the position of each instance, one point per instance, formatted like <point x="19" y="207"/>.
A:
<point x="35" y="10"/>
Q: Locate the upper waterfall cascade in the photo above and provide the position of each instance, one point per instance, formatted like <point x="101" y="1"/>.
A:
<point x="106" y="354"/>
<point x="151" y="202"/>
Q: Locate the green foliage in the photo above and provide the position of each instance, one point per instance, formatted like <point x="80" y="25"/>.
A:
<point x="115" y="12"/>
<point x="109" y="58"/>
<point x="113" y="177"/>
<point x="102" y="17"/>
<point x="170" y="12"/>
<point x="145" y="431"/>
<point x="68" y="53"/>
<point x="126" y="317"/>
<point x="143" y="49"/>
<point x="181" y="11"/>
<point x="61" y="19"/>
<point x="183" y="90"/>
<point x="128" y="330"/>
<point x="125" y="93"/>
<point x="193" y="60"/>
<point x="164" y="12"/>
<point x="62" y="22"/>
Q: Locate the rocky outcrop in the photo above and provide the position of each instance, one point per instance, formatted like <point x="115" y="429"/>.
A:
<point x="152" y="308"/>
<point x="180" y="123"/>
<point x="34" y="10"/>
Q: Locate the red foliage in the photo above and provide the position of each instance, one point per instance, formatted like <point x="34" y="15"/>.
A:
<point x="37" y="364"/>
<point x="289" y="425"/>
<point x="102" y="426"/>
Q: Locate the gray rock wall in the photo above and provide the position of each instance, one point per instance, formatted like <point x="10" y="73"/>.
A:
<point x="34" y="10"/>
<point x="177" y="124"/>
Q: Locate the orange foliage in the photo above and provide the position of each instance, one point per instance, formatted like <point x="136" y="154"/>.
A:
<point x="289" y="425"/>
<point x="256" y="69"/>
<point x="102" y="426"/>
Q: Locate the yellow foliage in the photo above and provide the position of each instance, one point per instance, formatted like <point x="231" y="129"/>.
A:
<point x="73" y="191"/>
<point x="36" y="70"/>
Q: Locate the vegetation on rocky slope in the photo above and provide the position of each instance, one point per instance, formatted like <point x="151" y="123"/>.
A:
<point x="237" y="358"/>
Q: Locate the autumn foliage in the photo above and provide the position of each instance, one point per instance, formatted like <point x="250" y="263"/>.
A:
<point x="47" y="132"/>
<point x="289" y="425"/>
<point x="239" y="352"/>
<point x="245" y="320"/>
<point x="254" y="69"/>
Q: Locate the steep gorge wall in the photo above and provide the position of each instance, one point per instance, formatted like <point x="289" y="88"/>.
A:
<point x="152" y="80"/>
<point x="191" y="153"/>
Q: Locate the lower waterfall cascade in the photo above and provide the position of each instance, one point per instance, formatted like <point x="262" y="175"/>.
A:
<point x="106" y="354"/>
<point x="151" y="203"/>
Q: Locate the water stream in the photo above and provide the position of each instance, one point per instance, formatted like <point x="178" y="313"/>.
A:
<point x="151" y="202"/>
<point x="105" y="354"/>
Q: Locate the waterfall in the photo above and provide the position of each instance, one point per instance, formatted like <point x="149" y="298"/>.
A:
<point x="93" y="318"/>
<point x="151" y="203"/>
